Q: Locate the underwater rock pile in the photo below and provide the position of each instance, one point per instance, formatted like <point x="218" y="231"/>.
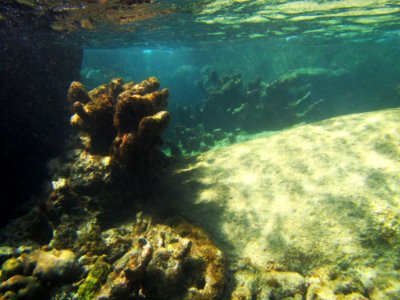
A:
<point x="291" y="99"/>
<point x="141" y="259"/>
<point x="68" y="246"/>
<point x="289" y="223"/>
<point x="162" y="262"/>
<point x="223" y="94"/>
<point x="124" y="120"/>
<point x="319" y="202"/>
<point x="195" y="140"/>
<point x="26" y="276"/>
<point x="115" y="168"/>
<point x="229" y="106"/>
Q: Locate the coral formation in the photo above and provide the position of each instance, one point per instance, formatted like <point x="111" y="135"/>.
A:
<point x="174" y="260"/>
<point x="259" y="106"/>
<point x="120" y="126"/>
<point x="256" y="283"/>
<point x="278" y="240"/>
<point x="144" y="258"/>
<point x="139" y="119"/>
<point x="195" y="140"/>
<point x="26" y="276"/>
<point x="6" y="252"/>
<point x="121" y="120"/>
<point x="232" y="107"/>
<point x="94" y="280"/>
<point x="163" y="262"/>
<point x="10" y="268"/>
<point x="295" y="97"/>
<point x="53" y="266"/>
<point x="326" y="283"/>
<point x="21" y="287"/>
<point x="222" y="95"/>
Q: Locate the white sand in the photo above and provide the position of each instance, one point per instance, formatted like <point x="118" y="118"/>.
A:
<point x="307" y="197"/>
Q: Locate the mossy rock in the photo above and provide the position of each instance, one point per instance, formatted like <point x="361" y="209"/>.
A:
<point x="96" y="277"/>
<point x="10" y="268"/>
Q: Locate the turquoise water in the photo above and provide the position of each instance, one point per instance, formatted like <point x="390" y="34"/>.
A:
<point x="324" y="78"/>
<point x="356" y="43"/>
<point x="186" y="23"/>
<point x="202" y="149"/>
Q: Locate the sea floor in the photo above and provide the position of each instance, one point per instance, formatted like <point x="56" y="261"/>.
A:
<point x="321" y="200"/>
<point x="311" y="212"/>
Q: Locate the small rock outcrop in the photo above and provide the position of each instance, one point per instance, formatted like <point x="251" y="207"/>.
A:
<point x="121" y="120"/>
<point x="28" y="275"/>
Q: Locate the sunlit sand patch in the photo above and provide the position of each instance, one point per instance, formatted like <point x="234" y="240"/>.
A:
<point x="314" y="191"/>
<point x="245" y="178"/>
<point x="208" y="195"/>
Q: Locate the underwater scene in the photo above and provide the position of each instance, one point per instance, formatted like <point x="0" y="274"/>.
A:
<point x="200" y="149"/>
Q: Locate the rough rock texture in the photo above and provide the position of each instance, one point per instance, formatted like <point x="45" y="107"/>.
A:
<point x="21" y="287"/>
<point x="230" y="106"/>
<point x="54" y="266"/>
<point x="143" y="258"/>
<point x="121" y="120"/>
<point x="320" y="195"/>
<point x="166" y="262"/>
<point x="28" y="275"/>
<point x="107" y="169"/>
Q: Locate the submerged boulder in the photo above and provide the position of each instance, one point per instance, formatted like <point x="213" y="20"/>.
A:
<point x="319" y="196"/>
<point x="141" y="259"/>
<point x="28" y="275"/>
<point x="127" y="118"/>
<point x="156" y="261"/>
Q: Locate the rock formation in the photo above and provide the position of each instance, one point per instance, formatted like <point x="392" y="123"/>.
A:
<point x="121" y="120"/>
<point x="320" y="200"/>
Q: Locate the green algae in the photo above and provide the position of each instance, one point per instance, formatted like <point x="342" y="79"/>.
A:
<point x="96" y="277"/>
<point x="10" y="268"/>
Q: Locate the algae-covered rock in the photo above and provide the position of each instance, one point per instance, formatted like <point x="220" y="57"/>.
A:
<point x="264" y="283"/>
<point x="54" y="266"/>
<point x="6" y="252"/>
<point x="21" y="287"/>
<point x="145" y="258"/>
<point x="327" y="283"/>
<point x="166" y="262"/>
<point x="28" y="275"/>
<point x="323" y="194"/>
<point x="10" y="268"/>
<point x="96" y="277"/>
<point x="128" y="118"/>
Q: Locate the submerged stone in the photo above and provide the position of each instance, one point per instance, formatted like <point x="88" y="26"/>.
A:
<point x="318" y="195"/>
<point x="55" y="266"/>
<point x="5" y="253"/>
<point x="10" y="268"/>
<point x="177" y="262"/>
<point x="21" y="287"/>
<point x="96" y="277"/>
